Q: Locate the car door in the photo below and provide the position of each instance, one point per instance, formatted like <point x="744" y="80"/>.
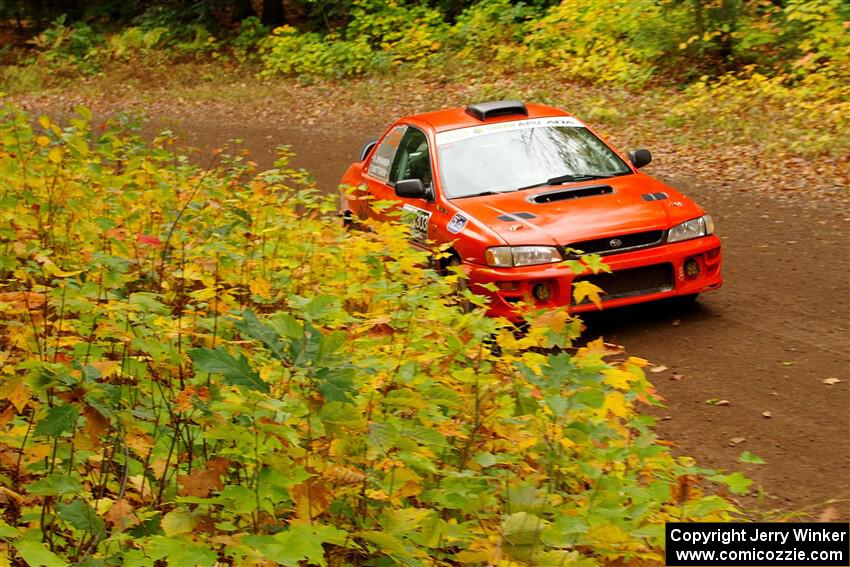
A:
<point x="377" y="175"/>
<point x="404" y="153"/>
<point x="413" y="161"/>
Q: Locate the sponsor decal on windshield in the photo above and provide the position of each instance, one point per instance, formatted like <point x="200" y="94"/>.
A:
<point x="472" y="131"/>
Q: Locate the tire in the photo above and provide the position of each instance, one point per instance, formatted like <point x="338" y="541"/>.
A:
<point x="686" y="300"/>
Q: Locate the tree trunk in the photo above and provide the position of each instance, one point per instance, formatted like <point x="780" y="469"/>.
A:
<point x="273" y="14"/>
<point x="242" y="9"/>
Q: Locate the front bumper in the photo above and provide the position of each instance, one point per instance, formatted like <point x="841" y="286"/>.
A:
<point x="516" y="284"/>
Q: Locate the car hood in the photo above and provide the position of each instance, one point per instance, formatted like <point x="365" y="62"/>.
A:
<point x="620" y="205"/>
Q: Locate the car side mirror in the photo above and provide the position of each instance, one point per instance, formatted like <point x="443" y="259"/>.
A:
<point x="367" y="148"/>
<point x="640" y="158"/>
<point x="412" y="189"/>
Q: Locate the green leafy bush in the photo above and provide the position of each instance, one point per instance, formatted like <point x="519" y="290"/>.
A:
<point x="247" y="43"/>
<point x="380" y="34"/>
<point x="601" y="42"/>
<point x="203" y="366"/>
<point x="290" y="52"/>
<point x="802" y="104"/>
<point x="486" y="28"/>
<point x="405" y="32"/>
<point x="75" y="44"/>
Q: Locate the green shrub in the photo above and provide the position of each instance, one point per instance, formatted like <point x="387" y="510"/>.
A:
<point x="20" y="78"/>
<point x="405" y="32"/>
<point x="135" y="40"/>
<point x="251" y="35"/>
<point x="380" y="34"/>
<point x="486" y="27"/>
<point x="75" y="44"/>
<point x="603" y="42"/>
<point x="805" y="116"/>
<point x="289" y="52"/>
<point x="204" y="366"/>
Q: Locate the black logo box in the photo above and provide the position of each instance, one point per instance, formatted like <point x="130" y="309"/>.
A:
<point x="758" y="544"/>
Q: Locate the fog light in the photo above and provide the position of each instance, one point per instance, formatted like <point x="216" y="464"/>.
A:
<point x="542" y="292"/>
<point x="691" y="268"/>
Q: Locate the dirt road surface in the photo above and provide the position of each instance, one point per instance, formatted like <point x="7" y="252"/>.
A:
<point x="765" y="342"/>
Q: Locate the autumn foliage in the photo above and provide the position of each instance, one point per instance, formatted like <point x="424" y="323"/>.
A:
<point x="202" y="366"/>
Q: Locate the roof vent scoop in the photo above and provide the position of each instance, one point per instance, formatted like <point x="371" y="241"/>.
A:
<point x="484" y="110"/>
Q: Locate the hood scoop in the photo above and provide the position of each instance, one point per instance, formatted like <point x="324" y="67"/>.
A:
<point x="513" y="217"/>
<point x="654" y="196"/>
<point x="566" y="194"/>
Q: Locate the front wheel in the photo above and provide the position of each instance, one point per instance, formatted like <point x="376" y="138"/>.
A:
<point x="686" y="300"/>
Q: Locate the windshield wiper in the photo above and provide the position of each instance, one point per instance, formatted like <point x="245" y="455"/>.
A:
<point x="567" y="178"/>
<point x="483" y="193"/>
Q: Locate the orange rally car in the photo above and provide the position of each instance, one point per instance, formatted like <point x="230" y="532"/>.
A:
<point x="517" y="189"/>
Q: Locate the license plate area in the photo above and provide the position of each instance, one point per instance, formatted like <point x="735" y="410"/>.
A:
<point x="633" y="282"/>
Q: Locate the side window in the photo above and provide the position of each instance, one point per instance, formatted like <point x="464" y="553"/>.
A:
<point x="413" y="160"/>
<point x="379" y="167"/>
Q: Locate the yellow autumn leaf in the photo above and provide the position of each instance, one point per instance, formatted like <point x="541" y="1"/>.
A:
<point x="616" y="404"/>
<point x="585" y="290"/>
<point x="37" y="452"/>
<point x="479" y="557"/>
<point x="16" y="392"/>
<point x="42" y="141"/>
<point x="142" y="486"/>
<point x="140" y="442"/>
<point x="608" y="534"/>
<point x="180" y="521"/>
<point x="555" y="320"/>
<point x="44" y="121"/>
<point x="203" y="294"/>
<point x="106" y="367"/>
<point x="53" y="269"/>
<point x="535" y="361"/>
<point x="638" y="361"/>
<point x="619" y="379"/>
<point x="261" y="287"/>
<point x="102" y="505"/>
<point x="56" y="272"/>
<point x="192" y="273"/>
<point x="68" y="340"/>
<point x="55" y="155"/>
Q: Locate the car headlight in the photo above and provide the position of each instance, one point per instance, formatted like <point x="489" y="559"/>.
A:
<point x="694" y="228"/>
<point x="507" y="256"/>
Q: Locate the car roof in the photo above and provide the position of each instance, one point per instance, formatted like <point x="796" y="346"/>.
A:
<point x="454" y="118"/>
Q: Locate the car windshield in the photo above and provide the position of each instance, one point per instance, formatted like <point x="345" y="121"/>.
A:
<point x="511" y="156"/>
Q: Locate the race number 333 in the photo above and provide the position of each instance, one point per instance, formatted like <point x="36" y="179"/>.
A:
<point x="418" y="223"/>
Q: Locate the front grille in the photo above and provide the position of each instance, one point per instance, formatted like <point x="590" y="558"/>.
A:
<point x="631" y="283"/>
<point x="615" y="244"/>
